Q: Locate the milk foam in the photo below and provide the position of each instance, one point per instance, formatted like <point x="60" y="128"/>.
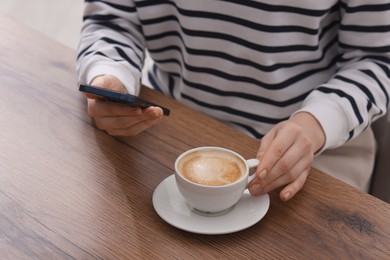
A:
<point x="213" y="168"/>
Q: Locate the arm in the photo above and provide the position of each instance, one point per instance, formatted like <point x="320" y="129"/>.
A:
<point x="111" y="43"/>
<point x="110" y="56"/>
<point x="359" y="91"/>
<point x="338" y="110"/>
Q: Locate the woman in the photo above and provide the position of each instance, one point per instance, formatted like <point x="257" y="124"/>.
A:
<point x="305" y="77"/>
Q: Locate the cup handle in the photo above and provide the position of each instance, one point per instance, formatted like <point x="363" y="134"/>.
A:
<point x="251" y="164"/>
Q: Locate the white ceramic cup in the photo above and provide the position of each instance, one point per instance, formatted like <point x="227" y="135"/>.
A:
<point x="208" y="199"/>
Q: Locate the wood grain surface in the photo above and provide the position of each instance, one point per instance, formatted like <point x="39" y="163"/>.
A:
<point x="70" y="191"/>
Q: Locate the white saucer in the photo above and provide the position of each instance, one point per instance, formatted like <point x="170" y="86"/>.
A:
<point x="171" y="207"/>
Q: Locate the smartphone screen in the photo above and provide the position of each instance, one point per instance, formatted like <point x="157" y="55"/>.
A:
<point x="120" y="97"/>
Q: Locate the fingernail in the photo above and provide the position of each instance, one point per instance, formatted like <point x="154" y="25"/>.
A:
<point x="286" y="196"/>
<point x="256" y="189"/>
<point x="263" y="173"/>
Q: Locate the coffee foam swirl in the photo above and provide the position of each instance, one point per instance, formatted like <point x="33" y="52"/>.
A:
<point x="212" y="168"/>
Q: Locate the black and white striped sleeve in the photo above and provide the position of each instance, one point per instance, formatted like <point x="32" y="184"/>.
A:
<point x="359" y="91"/>
<point x="111" y="43"/>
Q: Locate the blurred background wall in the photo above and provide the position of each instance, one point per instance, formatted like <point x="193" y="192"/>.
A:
<point x="58" y="19"/>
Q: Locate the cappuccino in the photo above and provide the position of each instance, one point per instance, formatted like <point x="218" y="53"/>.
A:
<point x="211" y="167"/>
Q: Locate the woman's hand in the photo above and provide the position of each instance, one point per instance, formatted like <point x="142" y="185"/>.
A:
<point x="286" y="153"/>
<point x="119" y="119"/>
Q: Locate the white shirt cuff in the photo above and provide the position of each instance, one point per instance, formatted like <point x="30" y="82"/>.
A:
<point x="331" y="118"/>
<point x="130" y="79"/>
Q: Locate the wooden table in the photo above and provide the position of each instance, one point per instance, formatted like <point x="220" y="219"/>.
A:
<point x="70" y="191"/>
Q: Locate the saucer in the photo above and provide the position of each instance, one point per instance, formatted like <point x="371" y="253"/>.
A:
<point x="172" y="208"/>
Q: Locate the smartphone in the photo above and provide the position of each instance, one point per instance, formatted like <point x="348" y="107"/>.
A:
<point x="120" y="97"/>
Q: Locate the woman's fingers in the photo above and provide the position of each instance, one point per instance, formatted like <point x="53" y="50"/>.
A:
<point x="130" y="125"/>
<point x="286" y="154"/>
<point x="292" y="189"/>
<point x="103" y="108"/>
<point x="136" y="128"/>
<point x="116" y="118"/>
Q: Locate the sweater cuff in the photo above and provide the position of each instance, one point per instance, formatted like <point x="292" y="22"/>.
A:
<point x="129" y="78"/>
<point x="332" y="120"/>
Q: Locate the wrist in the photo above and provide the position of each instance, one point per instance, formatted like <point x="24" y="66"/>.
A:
<point x="311" y="128"/>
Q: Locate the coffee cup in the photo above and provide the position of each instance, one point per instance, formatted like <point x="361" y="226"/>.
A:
<point x="212" y="179"/>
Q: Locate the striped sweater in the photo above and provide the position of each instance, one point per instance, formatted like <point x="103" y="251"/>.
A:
<point x="250" y="64"/>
